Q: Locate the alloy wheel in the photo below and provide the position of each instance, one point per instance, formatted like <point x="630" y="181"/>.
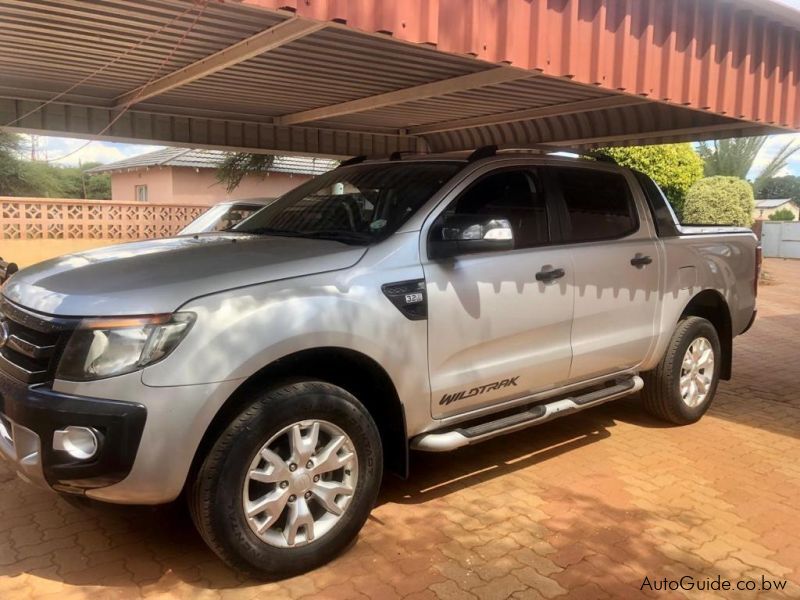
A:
<point x="697" y="372"/>
<point x="300" y="483"/>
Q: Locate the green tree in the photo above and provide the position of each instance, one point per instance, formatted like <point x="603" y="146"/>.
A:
<point x="10" y="145"/>
<point x="735" y="158"/>
<point x="97" y="186"/>
<point x="720" y="200"/>
<point x="787" y="186"/>
<point x="20" y="177"/>
<point x="77" y="183"/>
<point x="674" y="167"/>
<point x="240" y="164"/>
<point x="40" y="180"/>
<point x="784" y="214"/>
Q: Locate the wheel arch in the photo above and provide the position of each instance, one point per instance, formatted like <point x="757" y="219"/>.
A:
<point x="351" y="370"/>
<point x="711" y="305"/>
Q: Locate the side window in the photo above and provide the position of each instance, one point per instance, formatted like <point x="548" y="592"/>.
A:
<point x="512" y="195"/>
<point x="663" y="215"/>
<point x="599" y="205"/>
<point x="235" y="215"/>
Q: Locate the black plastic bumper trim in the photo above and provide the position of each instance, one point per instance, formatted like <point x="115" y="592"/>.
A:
<point x="40" y="409"/>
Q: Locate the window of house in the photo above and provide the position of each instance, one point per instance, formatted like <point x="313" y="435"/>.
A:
<point x="141" y="193"/>
<point x="599" y="204"/>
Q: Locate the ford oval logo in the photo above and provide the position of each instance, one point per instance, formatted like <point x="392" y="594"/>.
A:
<point x="3" y="333"/>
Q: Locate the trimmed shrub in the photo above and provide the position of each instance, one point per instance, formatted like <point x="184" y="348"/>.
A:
<point x="720" y="200"/>
<point x="784" y="214"/>
<point x="674" y="167"/>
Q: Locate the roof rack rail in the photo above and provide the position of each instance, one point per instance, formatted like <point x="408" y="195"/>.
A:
<point x="398" y="154"/>
<point x="483" y="152"/>
<point x="354" y="160"/>
<point x="493" y="150"/>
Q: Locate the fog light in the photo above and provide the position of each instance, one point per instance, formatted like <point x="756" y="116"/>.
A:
<point x="78" y="442"/>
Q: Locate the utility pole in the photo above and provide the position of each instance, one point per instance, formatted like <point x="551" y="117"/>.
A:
<point x="34" y="147"/>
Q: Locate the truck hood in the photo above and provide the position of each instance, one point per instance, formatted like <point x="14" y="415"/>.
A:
<point x="158" y="276"/>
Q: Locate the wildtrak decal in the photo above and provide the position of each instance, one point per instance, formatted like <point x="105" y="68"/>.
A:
<point x="477" y="391"/>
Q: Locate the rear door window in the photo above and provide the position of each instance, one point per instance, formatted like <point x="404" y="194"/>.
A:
<point x="598" y="205"/>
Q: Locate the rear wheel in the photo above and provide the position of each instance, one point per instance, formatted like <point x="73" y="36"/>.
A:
<point x="680" y="389"/>
<point x="290" y="482"/>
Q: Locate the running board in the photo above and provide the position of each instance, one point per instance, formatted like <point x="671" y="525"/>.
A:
<point x="541" y="413"/>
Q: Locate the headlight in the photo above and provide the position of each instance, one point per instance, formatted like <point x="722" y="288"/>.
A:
<point x="106" y="347"/>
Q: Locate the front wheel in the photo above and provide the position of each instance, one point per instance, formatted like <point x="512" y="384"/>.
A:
<point x="680" y="389"/>
<point x="290" y="482"/>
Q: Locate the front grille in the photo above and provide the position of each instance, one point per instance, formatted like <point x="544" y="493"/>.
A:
<point x="34" y="343"/>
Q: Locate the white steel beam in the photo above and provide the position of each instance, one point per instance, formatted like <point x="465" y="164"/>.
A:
<point x="530" y="114"/>
<point x="264" y="41"/>
<point x="665" y="133"/>
<point x="418" y="92"/>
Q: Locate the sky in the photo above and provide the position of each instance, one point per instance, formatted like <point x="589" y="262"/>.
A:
<point x="68" y="151"/>
<point x="71" y="152"/>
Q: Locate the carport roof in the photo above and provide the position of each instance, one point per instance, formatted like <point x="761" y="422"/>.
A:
<point x="376" y="76"/>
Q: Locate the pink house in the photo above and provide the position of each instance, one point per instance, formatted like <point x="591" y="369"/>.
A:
<point x="188" y="176"/>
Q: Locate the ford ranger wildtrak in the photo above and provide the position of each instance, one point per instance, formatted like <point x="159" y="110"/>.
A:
<point x="271" y="372"/>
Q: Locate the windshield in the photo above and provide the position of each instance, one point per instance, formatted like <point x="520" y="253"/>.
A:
<point x="358" y="205"/>
<point x="220" y="218"/>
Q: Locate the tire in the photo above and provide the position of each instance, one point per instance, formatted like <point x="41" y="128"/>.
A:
<point x="237" y="466"/>
<point x="662" y="393"/>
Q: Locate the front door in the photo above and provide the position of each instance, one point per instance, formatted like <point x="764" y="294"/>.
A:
<point x="494" y="331"/>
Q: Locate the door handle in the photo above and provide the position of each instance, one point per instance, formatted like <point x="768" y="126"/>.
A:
<point x="640" y="260"/>
<point x="550" y="275"/>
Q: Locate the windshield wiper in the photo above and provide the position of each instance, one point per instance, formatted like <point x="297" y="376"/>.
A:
<point x="346" y="237"/>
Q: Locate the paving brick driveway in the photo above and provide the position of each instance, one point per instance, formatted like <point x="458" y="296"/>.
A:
<point x="582" y="508"/>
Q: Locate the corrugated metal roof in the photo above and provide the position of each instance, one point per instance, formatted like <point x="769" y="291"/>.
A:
<point x="67" y="40"/>
<point x="211" y="159"/>
<point x="772" y="203"/>
<point x="704" y="68"/>
<point x="325" y="68"/>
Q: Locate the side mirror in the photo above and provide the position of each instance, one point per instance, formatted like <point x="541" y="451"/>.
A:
<point x="469" y="234"/>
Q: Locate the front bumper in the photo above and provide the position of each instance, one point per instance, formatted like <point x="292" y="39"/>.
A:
<point x="29" y="415"/>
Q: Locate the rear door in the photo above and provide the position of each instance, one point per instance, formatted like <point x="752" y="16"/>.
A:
<point x="494" y="332"/>
<point x="616" y="268"/>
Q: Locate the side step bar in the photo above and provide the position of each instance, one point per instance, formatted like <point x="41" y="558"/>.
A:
<point x="541" y="413"/>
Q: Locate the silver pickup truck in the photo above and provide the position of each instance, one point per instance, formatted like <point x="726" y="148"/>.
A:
<point x="272" y="372"/>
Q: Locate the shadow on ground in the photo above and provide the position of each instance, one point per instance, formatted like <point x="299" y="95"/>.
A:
<point x="147" y="543"/>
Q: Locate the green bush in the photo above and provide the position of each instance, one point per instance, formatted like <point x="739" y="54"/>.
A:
<point x="720" y="200"/>
<point x="674" y="167"/>
<point x="784" y="214"/>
